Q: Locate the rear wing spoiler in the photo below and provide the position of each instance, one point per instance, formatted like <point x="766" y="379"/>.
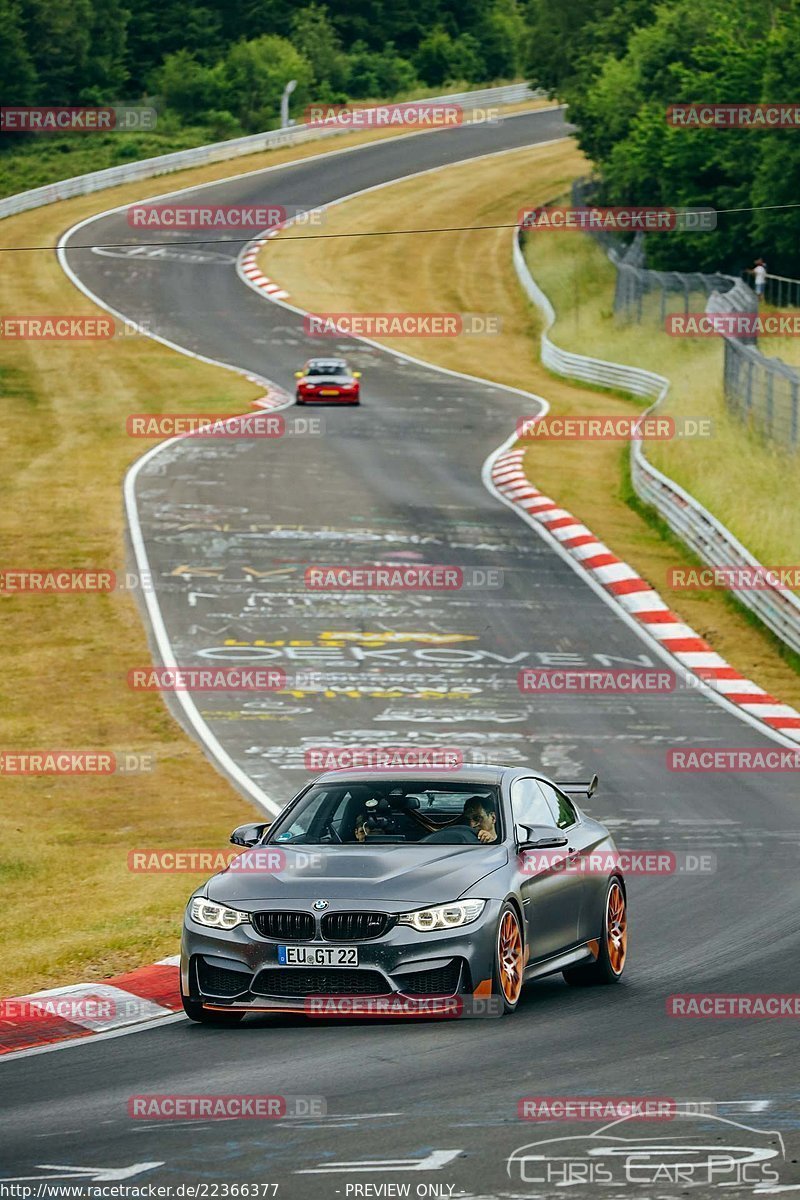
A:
<point x="584" y="789"/>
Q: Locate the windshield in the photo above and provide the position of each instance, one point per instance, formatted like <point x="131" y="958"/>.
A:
<point x="326" y="368"/>
<point x="392" y="812"/>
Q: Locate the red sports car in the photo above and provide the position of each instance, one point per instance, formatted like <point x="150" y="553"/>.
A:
<point x="328" y="380"/>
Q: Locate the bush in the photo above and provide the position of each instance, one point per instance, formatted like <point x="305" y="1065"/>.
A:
<point x="189" y="88"/>
<point x="255" y="74"/>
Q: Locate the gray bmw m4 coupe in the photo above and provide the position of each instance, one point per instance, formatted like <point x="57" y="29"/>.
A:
<point x="391" y="892"/>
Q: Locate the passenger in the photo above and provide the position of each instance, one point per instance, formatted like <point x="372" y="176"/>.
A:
<point x="362" y="830"/>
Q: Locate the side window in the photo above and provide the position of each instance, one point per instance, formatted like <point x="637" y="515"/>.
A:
<point x="563" y="808"/>
<point x="528" y="805"/>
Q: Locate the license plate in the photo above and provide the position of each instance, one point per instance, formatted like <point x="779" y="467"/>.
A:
<point x="329" y="391"/>
<point x="317" y="956"/>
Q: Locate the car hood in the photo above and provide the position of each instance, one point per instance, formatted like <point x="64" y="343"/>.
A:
<point x="416" y="875"/>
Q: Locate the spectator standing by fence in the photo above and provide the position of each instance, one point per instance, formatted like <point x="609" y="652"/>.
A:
<point x="759" y="273"/>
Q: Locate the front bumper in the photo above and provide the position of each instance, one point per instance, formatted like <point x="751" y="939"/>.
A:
<point x="239" y="969"/>
<point x="316" y="397"/>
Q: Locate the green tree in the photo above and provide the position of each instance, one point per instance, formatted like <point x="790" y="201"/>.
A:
<point x="713" y="52"/>
<point x="436" y="57"/>
<point x="106" y="70"/>
<point x="19" y="74"/>
<point x="58" y="38"/>
<point x="501" y="35"/>
<point x="188" y="87"/>
<point x="394" y="73"/>
<point x="313" y="35"/>
<point x="255" y="73"/>
<point x="362" y="77"/>
<point x="566" y="43"/>
<point x="776" y="231"/>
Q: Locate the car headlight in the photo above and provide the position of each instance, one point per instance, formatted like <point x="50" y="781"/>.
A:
<point x="443" y="916"/>
<point x="216" y="916"/>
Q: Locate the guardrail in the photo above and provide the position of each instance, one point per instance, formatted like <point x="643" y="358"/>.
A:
<point x="694" y="524"/>
<point x="163" y="164"/>
<point x="760" y="390"/>
<point x="780" y="290"/>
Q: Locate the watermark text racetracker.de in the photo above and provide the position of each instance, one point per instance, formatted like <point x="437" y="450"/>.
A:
<point x="63" y="119"/>
<point x="383" y="758"/>
<point x="259" y="860"/>
<point x="207" y="679"/>
<point x="733" y="324"/>
<point x="402" y="324"/>
<point x="461" y="1007"/>
<point x="209" y="1107"/>
<point x="416" y="114"/>
<point x="631" y="681"/>
<point x="619" y="219"/>
<point x="743" y="115"/>
<point x="630" y="862"/>
<point x="57" y="761"/>
<point x="611" y="428"/>
<point x="735" y="1005"/>
<point x="68" y="327"/>
<point x="733" y="576"/>
<point x="596" y="1108"/>
<point x="94" y="1009"/>
<point x="249" y="218"/>
<point x="394" y="577"/>
<point x="736" y="759"/>
<point x="210" y="425"/>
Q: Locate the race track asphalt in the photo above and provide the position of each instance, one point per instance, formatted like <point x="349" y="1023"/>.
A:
<point x="229" y="530"/>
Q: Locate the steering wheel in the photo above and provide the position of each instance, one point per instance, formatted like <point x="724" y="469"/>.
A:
<point x="454" y="835"/>
<point x="333" y="833"/>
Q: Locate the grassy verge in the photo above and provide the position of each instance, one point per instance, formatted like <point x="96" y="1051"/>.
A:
<point x="749" y="484"/>
<point x="471" y="271"/>
<point x="785" y="348"/>
<point x="72" y="909"/>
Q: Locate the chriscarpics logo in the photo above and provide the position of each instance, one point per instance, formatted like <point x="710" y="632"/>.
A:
<point x="693" y="1151"/>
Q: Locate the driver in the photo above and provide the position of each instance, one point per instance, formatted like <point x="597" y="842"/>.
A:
<point x="479" y="814"/>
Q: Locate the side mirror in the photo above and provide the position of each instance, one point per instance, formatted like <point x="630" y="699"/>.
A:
<point x="298" y="374"/>
<point x="539" y="837"/>
<point x="356" y="374"/>
<point x="249" y="835"/>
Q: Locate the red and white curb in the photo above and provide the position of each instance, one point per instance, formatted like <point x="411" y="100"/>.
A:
<point x="250" y="268"/>
<point x="274" y="397"/>
<point x="639" y="600"/>
<point x="82" y="1010"/>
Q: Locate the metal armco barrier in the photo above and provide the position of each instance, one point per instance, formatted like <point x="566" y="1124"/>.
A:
<point x="694" y="524"/>
<point x="198" y="156"/>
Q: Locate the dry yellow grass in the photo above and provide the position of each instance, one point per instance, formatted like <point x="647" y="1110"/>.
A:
<point x="750" y="485"/>
<point x="471" y="271"/>
<point x="72" y="910"/>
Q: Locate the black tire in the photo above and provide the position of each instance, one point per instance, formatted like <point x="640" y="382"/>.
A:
<point x="208" y="1016"/>
<point x="502" y="985"/>
<point x="608" y="967"/>
<point x="297" y="400"/>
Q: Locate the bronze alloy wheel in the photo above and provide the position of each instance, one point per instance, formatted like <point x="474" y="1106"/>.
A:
<point x="509" y="956"/>
<point x="616" y="928"/>
<point x="610" y="948"/>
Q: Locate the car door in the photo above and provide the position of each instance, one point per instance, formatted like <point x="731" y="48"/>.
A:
<point x="584" y="837"/>
<point x="551" y="891"/>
